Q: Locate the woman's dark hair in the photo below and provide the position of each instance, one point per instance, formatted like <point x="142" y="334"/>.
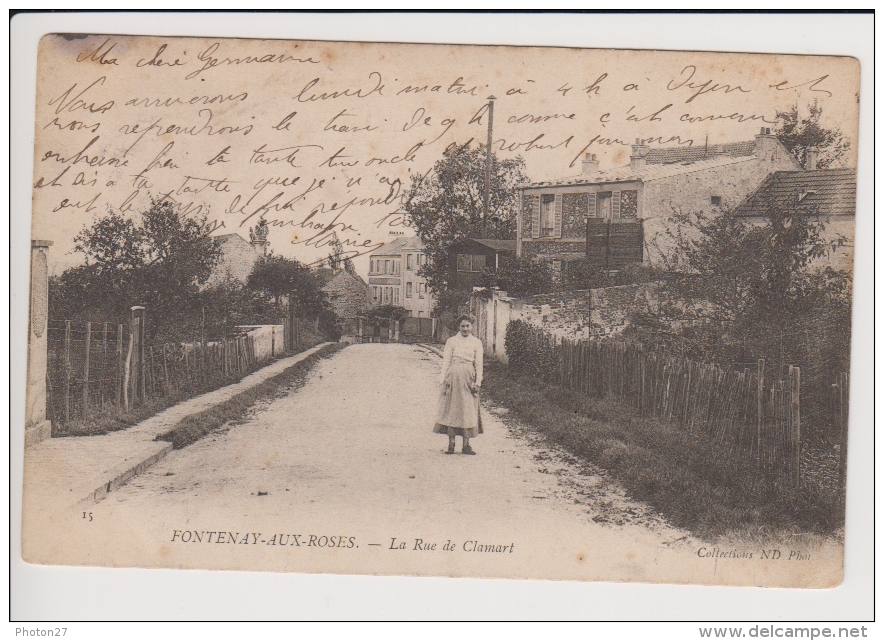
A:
<point x="465" y="317"/>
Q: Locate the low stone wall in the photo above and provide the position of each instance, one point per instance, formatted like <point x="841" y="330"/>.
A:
<point x="568" y="313"/>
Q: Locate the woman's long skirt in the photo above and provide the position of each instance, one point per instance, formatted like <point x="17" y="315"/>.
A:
<point x="458" y="408"/>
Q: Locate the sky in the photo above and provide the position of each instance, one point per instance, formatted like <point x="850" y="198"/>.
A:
<point x="324" y="137"/>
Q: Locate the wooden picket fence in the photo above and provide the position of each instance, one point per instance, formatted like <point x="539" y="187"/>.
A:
<point x="96" y="366"/>
<point x="751" y="413"/>
<point x="85" y="368"/>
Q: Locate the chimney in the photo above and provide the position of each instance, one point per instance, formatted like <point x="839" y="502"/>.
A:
<point x="639" y="151"/>
<point x="766" y="145"/>
<point x="811" y="159"/>
<point x="590" y="164"/>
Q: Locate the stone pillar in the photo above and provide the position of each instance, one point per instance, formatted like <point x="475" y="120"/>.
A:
<point x="37" y="427"/>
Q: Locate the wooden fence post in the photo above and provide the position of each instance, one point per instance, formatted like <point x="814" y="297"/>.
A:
<point x="103" y="364"/>
<point x="795" y="395"/>
<point x="760" y="408"/>
<point x="119" y="377"/>
<point x="153" y="379"/>
<point x="135" y="364"/>
<point x="843" y="411"/>
<point x="166" y="371"/>
<point x="142" y="361"/>
<point x="85" y="411"/>
<point x="67" y="372"/>
<point x="127" y="371"/>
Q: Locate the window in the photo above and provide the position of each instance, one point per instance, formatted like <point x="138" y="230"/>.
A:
<point x="470" y="262"/>
<point x="395" y="295"/>
<point x="604" y="204"/>
<point x="420" y="314"/>
<point x="397" y="266"/>
<point x="409" y="262"/>
<point x="408" y="290"/>
<point x="547" y="214"/>
<point x="374" y="294"/>
<point x="716" y="201"/>
<point x="371" y="266"/>
<point x="422" y="289"/>
<point x="387" y="267"/>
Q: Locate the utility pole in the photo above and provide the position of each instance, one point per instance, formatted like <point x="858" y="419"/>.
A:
<point x="491" y="100"/>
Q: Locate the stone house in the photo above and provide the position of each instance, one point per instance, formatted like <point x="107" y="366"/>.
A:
<point x="576" y="218"/>
<point x="347" y="292"/>
<point x="469" y="257"/>
<point x="238" y="256"/>
<point x="394" y="280"/>
<point x="831" y="193"/>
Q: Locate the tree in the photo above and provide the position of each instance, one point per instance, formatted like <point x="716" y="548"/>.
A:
<point x="799" y="134"/>
<point x="445" y="206"/>
<point x="160" y="261"/>
<point x="335" y="259"/>
<point x="519" y="277"/>
<point x="388" y="313"/>
<point x="580" y="274"/>
<point x="277" y="276"/>
<point x="734" y="292"/>
<point x="729" y="272"/>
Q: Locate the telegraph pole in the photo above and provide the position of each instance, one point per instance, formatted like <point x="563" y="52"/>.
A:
<point x="491" y="100"/>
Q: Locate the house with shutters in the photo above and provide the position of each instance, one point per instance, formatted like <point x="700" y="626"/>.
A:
<point x="394" y="279"/>
<point x="618" y="216"/>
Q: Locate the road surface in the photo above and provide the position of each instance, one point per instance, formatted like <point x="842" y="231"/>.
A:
<point x="345" y="475"/>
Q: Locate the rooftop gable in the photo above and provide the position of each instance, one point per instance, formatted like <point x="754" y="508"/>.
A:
<point x="828" y="191"/>
<point x="495" y="244"/>
<point x="645" y="173"/>
<point x="668" y="155"/>
<point x="398" y="245"/>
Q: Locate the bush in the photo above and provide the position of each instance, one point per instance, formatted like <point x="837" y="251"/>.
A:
<point x="530" y="351"/>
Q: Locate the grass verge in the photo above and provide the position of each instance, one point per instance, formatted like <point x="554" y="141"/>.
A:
<point x="234" y="410"/>
<point x="112" y="419"/>
<point x="681" y="475"/>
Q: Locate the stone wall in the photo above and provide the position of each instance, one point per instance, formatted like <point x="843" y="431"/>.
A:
<point x="567" y="313"/>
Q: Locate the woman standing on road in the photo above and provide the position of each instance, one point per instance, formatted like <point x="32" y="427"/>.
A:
<point x="458" y="412"/>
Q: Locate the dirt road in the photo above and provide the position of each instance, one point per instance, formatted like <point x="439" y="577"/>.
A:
<point x="350" y="460"/>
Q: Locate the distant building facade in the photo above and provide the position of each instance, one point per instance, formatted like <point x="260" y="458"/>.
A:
<point x="576" y="218"/>
<point x="470" y="257"/>
<point x="394" y="280"/>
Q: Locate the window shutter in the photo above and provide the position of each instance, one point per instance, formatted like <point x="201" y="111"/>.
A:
<point x="535" y="216"/>
<point x="615" y="205"/>
<point x="557" y="226"/>
<point x="590" y="205"/>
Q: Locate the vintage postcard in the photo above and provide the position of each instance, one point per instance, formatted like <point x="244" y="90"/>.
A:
<point x="440" y="310"/>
